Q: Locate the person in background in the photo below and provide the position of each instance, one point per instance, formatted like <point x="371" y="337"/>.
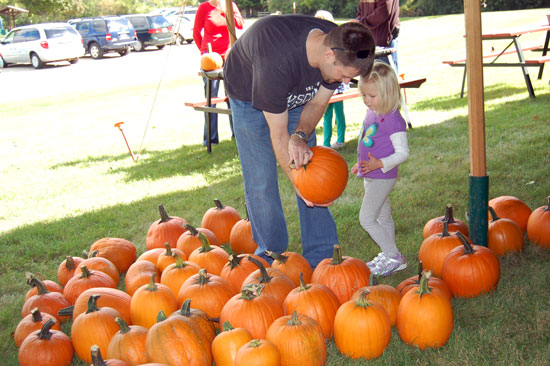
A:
<point x="382" y="18"/>
<point x="280" y="75"/>
<point x="211" y="28"/>
<point x="336" y="108"/>
<point x="381" y="148"/>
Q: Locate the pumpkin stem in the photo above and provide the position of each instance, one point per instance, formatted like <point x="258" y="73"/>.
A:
<point x="423" y="287"/>
<point x="33" y="281"/>
<point x="152" y="286"/>
<point x="85" y="272"/>
<point x="92" y="304"/>
<point x="219" y="205"/>
<point x="251" y="291"/>
<point x="362" y="300"/>
<point x="203" y="277"/>
<point x="97" y="359"/>
<point x="445" y="231"/>
<point x="161" y="316"/>
<point x="192" y="229"/>
<point x="163" y="215"/>
<point x="294" y="321"/>
<point x="303" y="285"/>
<point x="234" y="261"/>
<point x="69" y="263"/>
<point x="45" y="332"/>
<point x="186" y="308"/>
<point x="449" y="214"/>
<point x="93" y="254"/>
<point x="548" y="208"/>
<point x="420" y="270"/>
<point x="205" y="244"/>
<point x="255" y="343"/>
<point x="337" y="255"/>
<point x="124" y="328"/>
<point x="36" y="315"/>
<point x="494" y="216"/>
<point x="227" y="326"/>
<point x="168" y="252"/>
<point x="278" y="257"/>
<point x="265" y="277"/>
<point x="468" y="249"/>
<point x="180" y="263"/>
<point x="68" y="311"/>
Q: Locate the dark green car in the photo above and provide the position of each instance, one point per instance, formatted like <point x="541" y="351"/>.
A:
<point x="152" y="30"/>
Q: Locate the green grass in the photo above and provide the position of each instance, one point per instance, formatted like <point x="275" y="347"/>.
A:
<point x="68" y="180"/>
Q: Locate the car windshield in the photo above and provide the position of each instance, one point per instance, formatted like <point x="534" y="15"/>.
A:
<point x="117" y="25"/>
<point x="159" y="22"/>
<point x="59" y="32"/>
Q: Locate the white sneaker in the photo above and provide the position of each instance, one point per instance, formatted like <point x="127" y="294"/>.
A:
<point x="372" y="264"/>
<point x="388" y="265"/>
<point x="337" y="145"/>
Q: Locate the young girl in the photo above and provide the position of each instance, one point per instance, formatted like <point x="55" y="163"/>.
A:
<point x="382" y="147"/>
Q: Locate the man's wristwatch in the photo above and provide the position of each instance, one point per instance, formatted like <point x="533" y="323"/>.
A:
<point x="301" y="135"/>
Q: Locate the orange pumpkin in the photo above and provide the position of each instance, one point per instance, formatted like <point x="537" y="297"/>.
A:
<point x="538" y="226"/>
<point x="128" y="344"/>
<point x="504" y="235"/>
<point x="238" y="267"/>
<point x="166" y="229"/>
<point x="31" y="323"/>
<point x="435" y="225"/>
<point x="258" y="352"/>
<point x="362" y="329"/>
<point x="512" y="208"/>
<point x="210" y="257"/>
<point x="387" y="296"/>
<point x="148" y="300"/>
<point x="199" y="317"/>
<point x="434" y="282"/>
<point x="46" y="302"/>
<point x="169" y="257"/>
<point x="177" y="341"/>
<point x="110" y="297"/>
<point x="324" y="178"/>
<point x="139" y="274"/>
<point x="119" y="251"/>
<point x="227" y="343"/>
<point x="101" y="264"/>
<point x="275" y="282"/>
<point x="97" y="359"/>
<point x="241" y="239"/>
<point x="425" y="316"/>
<point x="292" y="264"/>
<point x="220" y="221"/>
<point x="50" y="285"/>
<point x="175" y="274"/>
<point x="471" y="270"/>
<point x="87" y="279"/>
<point x="316" y="301"/>
<point x="65" y="271"/>
<point x="435" y="248"/>
<point x="211" y="61"/>
<point x="95" y="327"/>
<point x="52" y="347"/>
<point x="151" y="255"/>
<point x="252" y="310"/>
<point x="342" y="274"/>
<point x="299" y="339"/>
<point x="189" y="240"/>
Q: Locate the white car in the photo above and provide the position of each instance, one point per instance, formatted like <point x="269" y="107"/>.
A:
<point x="39" y="44"/>
<point x="183" y="30"/>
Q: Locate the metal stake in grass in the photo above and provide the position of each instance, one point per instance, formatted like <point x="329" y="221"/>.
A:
<point x="118" y="124"/>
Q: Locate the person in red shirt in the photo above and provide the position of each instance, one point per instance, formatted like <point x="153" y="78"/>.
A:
<point x="211" y="28"/>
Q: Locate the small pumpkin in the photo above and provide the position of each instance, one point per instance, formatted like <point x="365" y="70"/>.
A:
<point x="45" y="301"/>
<point x="538" y="226"/>
<point x="275" y="282"/>
<point x="139" y="274"/>
<point x="434" y="282"/>
<point x="31" y="323"/>
<point x="110" y="297"/>
<point x="120" y="251"/>
<point x="169" y="257"/>
<point x="65" y="270"/>
<point x="95" y="263"/>
<point x="292" y="264"/>
<point x="387" y="296"/>
<point x="175" y="274"/>
<point x="435" y="248"/>
<point x="504" y="235"/>
<point x="128" y="344"/>
<point x="166" y="229"/>
<point x="324" y="178"/>
<point x="211" y="61"/>
<point x="299" y="339"/>
<point x="52" y="347"/>
<point x="189" y="240"/>
<point x="362" y="328"/>
<point x="227" y="343"/>
<point x="512" y="208"/>
<point x="435" y="225"/>
<point x="241" y="239"/>
<point x="148" y="300"/>
<point x="151" y="255"/>
<point x="220" y="220"/>
<point x="85" y="280"/>
<point x="425" y="316"/>
<point x="52" y="286"/>
<point x="238" y="267"/>
<point x="258" y="352"/>
<point x="210" y="257"/>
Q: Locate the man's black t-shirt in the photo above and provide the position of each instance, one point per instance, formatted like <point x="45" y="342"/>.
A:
<point x="268" y="64"/>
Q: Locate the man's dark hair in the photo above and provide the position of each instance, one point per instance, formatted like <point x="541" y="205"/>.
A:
<point x="349" y="41"/>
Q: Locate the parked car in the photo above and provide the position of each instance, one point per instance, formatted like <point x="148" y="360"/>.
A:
<point x="183" y="30"/>
<point x="106" y="34"/>
<point x="152" y="30"/>
<point x="39" y="44"/>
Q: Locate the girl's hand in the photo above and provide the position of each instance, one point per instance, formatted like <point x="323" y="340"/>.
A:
<point x="369" y="165"/>
<point x="354" y="169"/>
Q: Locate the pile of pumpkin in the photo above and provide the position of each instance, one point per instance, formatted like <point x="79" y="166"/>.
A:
<point x="187" y="301"/>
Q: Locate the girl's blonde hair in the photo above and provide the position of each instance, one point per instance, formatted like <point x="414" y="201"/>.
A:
<point x="389" y="95"/>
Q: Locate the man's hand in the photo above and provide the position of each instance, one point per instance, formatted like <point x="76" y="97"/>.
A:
<point x="298" y="152"/>
<point x="308" y="202"/>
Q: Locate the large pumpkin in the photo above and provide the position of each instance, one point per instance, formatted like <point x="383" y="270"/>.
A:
<point x="166" y="229"/>
<point x="425" y="316"/>
<point x="504" y="235"/>
<point x="324" y="178"/>
<point x="512" y="208"/>
<point x="119" y="251"/>
<point x="220" y="221"/>
<point x="299" y="340"/>
<point x="538" y="226"/>
<point x="199" y="317"/>
<point x="471" y="270"/>
<point x="51" y="347"/>
<point x="362" y="329"/>
<point x="435" y="225"/>
<point x="342" y="274"/>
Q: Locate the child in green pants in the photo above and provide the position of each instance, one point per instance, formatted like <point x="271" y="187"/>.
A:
<point x="338" y="109"/>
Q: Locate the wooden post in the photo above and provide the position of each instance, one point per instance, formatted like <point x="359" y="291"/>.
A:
<point x="479" y="181"/>
<point x="230" y="21"/>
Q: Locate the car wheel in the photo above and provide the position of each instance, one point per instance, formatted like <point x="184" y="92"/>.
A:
<point x="139" y="46"/>
<point x="189" y="41"/>
<point x="36" y="61"/>
<point x="95" y="51"/>
<point x="179" y="39"/>
<point x="73" y="61"/>
<point x="160" y="47"/>
<point x="123" y="52"/>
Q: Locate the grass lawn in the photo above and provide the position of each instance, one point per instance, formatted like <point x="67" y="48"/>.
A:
<point x="64" y="187"/>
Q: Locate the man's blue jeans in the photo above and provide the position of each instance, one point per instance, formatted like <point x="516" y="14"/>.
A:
<point x="261" y="188"/>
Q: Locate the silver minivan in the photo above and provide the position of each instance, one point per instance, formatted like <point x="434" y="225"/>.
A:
<point x="39" y="44"/>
